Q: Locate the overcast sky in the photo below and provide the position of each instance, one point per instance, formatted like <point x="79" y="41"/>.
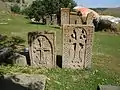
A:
<point x="99" y="3"/>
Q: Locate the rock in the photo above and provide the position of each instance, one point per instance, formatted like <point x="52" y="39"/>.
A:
<point x="108" y="87"/>
<point x="22" y="82"/>
<point x="17" y="59"/>
<point x="104" y="25"/>
<point x="4" y="54"/>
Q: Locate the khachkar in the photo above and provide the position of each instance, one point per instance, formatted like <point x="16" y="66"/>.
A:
<point x="65" y="16"/>
<point x="77" y="46"/>
<point x="42" y="49"/>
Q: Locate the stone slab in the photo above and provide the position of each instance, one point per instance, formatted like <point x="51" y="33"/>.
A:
<point x="42" y="49"/>
<point x="65" y="16"/>
<point x="108" y="87"/>
<point x="77" y="46"/>
<point x="22" y="82"/>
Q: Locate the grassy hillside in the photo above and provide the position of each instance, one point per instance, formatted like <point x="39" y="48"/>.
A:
<point x="112" y="11"/>
<point x="105" y="59"/>
<point x="108" y="11"/>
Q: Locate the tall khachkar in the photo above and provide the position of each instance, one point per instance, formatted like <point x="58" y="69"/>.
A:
<point x="77" y="46"/>
<point x="42" y="49"/>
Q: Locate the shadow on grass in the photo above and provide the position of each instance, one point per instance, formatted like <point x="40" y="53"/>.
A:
<point x="55" y="26"/>
<point x="36" y="23"/>
<point x="26" y="54"/>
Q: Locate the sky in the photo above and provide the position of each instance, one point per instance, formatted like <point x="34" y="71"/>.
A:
<point x="98" y="3"/>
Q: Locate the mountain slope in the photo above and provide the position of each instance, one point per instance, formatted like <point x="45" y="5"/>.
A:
<point x="108" y="11"/>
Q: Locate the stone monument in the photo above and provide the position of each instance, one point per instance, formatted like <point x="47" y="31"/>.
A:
<point x="77" y="46"/>
<point x="65" y="16"/>
<point x="42" y="49"/>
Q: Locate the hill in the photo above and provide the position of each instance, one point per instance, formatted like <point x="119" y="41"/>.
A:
<point x="112" y="11"/>
<point x="108" y="11"/>
<point x="4" y="6"/>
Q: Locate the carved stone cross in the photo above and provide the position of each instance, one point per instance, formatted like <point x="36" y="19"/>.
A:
<point x="77" y="46"/>
<point x="42" y="49"/>
<point x="78" y="39"/>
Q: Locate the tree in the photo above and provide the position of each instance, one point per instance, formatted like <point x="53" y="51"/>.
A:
<point x="51" y="7"/>
<point x="15" y="8"/>
<point x="36" y="10"/>
<point x="40" y="8"/>
<point x="64" y="4"/>
<point x="54" y="6"/>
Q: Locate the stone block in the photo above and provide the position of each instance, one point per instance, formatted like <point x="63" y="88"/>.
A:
<point x="42" y="49"/>
<point x="65" y="16"/>
<point x="77" y="46"/>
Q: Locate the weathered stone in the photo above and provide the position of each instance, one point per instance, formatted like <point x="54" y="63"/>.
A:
<point x="65" y="16"/>
<point x="77" y="46"/>
<point x="75" y="19"/>
<point x="79" y="20"/>
<point x="108" y="87"/>
<point x="42" y="49"/>
<point x="22" y="82"/>
<point x="4" y="54"/>
<point x="17" y="59"/>
<point x="89" y="19"/>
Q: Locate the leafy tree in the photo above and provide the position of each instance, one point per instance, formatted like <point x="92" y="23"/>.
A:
<point x="36" y="10"/>
<point x="51" y="7"/>
<point x="40" y="8"/>
<point x="15" y="8"/>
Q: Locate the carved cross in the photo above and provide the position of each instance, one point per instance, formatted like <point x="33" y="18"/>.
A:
<point x="78" y="40"/>
<point x="42" y="49"/>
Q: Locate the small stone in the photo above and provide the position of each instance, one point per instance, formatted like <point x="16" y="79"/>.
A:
<point x="18" y="59"/>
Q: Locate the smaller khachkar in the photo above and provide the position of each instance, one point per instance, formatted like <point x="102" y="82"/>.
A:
<point x="77" y="46"/>
<point x="42" y="49"/>
<point x="65" y="16"/>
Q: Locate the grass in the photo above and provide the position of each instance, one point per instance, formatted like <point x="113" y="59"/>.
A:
<point x="105" y="61"/>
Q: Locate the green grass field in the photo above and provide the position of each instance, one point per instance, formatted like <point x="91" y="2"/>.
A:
<point x="105" y="59"/>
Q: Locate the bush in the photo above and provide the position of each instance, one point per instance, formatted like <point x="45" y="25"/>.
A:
<point x="15" y="8"/>
<point x="12" y="42"/>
